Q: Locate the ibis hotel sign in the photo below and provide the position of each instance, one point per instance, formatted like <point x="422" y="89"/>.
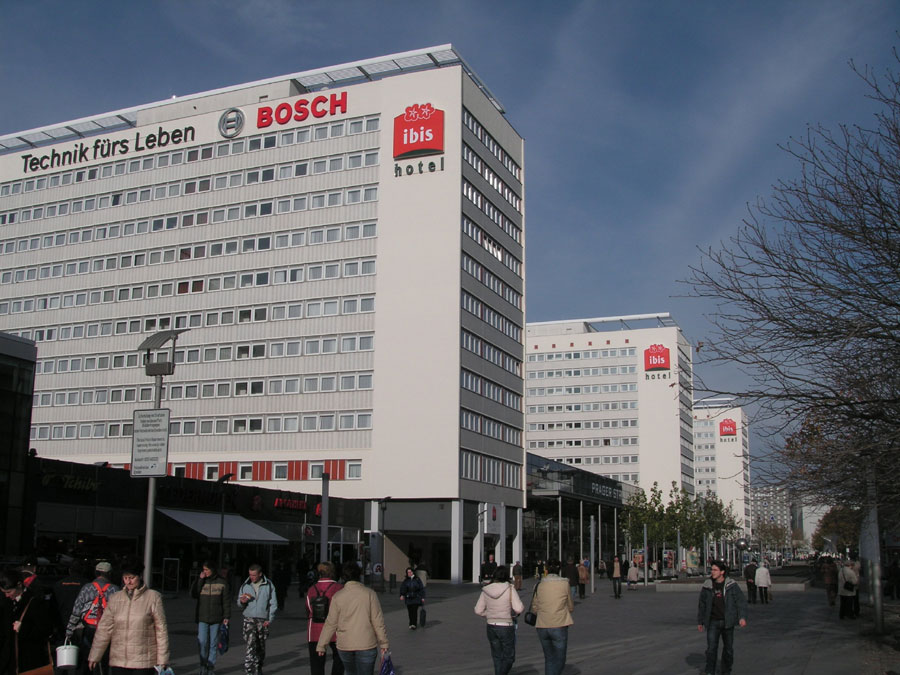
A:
<point x="418" y="132"/>
<point x="657" y="363"/>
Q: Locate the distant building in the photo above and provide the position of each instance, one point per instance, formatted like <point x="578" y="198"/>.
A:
<point x="612" y="395"/>
<point x="779" y="506"/>
<point x="722" y="456"/>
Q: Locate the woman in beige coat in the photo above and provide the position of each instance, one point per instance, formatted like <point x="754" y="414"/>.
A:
<point x="133" y="627"/>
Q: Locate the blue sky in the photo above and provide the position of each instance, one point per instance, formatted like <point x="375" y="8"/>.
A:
<point x="649" y="125"/>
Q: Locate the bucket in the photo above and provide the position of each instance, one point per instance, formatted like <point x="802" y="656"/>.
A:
<point x="67" y="655"/>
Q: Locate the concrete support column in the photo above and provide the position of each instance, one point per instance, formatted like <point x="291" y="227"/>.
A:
<point x="519" y="541"/>
<point x="559" y="539"/>
<point x="478" y="544"/>
<point x="456" y="541"/>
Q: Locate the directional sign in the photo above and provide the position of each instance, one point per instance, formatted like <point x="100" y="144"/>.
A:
<point x="150" y="443"/>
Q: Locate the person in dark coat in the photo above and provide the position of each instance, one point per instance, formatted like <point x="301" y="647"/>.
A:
<point x="32" y="623"/>
<point x="750" y="578"/>
<point x="7" y="651"/>
<point x="571" y="573"/>
<point x="722" y="606"/>
<point x="213" y="610"/>
<point x="412" y="592"/>
<point x="488" y="568"/>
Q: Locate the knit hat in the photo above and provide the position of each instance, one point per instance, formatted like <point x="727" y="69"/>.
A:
<point x="104" y="567"/>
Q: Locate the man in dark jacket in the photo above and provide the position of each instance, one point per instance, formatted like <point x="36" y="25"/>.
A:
<point x="722" y="606"/>
<point x="213" y="610"/>
<point x="87" y="610"/>
<point x="750" y="578"/>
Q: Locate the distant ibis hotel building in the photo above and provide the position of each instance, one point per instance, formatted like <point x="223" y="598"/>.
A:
<point x="344" y="246"/>
<point x="612" y="395"/>
<point x="722" y="455"/>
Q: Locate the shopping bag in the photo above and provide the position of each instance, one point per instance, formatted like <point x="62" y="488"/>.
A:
<point x="222" y="639"/>
<point x="422" y="618"/>
<point x="387" y="665"/>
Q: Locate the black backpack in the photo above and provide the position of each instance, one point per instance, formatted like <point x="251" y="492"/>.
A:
<point x="319" y="606"/>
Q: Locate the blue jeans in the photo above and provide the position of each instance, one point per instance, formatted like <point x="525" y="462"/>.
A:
<point x="503" y="647"/>
<point x="714" y="631"/>
<point x="554" y="641"/>
<point x="207" y="640"/>
<point x="360" y="662"/>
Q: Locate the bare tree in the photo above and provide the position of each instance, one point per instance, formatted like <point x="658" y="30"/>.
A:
<point x="808" y="305"/>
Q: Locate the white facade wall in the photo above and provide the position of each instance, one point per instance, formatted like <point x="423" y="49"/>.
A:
<point x="321" y="280"/>
<point x="722" y="456"/>
<point x="596" y="399"/>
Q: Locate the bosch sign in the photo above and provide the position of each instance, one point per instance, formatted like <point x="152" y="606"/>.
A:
<point x="301" y="109"/>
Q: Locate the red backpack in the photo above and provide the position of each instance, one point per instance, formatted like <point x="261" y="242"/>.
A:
<point x="95" y="611"/>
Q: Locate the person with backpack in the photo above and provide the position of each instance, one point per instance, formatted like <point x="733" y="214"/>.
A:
<point x="213" y="610"/>
<point x="412" y="592"/>
<point x="259" y="601"/>
<point x="87" y="611"/>
<point x="318" y="602"/>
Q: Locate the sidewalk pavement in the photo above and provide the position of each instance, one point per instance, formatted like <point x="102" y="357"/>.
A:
<point x="645" y="632"/>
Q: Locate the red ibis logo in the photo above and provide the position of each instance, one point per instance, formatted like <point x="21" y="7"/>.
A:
<point x="656" y="357"/>
<point x="727" y="427"/>
<point x="419" y="131"/>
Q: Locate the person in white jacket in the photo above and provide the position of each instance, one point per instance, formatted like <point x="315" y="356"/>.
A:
<point x="763" y="581"/>
<point x="499" y="603"/>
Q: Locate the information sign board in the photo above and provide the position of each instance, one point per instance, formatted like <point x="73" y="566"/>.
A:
<point x="150" y="443"/>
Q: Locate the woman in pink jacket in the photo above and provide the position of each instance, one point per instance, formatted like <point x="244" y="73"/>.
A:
<point x="499" y="603"/>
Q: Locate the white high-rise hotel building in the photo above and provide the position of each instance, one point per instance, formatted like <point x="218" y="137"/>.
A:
<point x="613" y="395"/>
<point x="346" y="246"/>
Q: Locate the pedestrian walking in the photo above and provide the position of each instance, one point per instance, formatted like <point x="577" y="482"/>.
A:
<point x="356" y="615"/>
<point x="750" y="579"/>
<point x="213" y="610"/>
<point x="31" y="619"/>
<point x="847" y="580"/>
<point x="517" y="575"/>
<point x="488" y="568"/>
<point x="412" y="592"/>
<point x="499" y="603"/>
<point x="318" y="606"/>
<point x="829" y="578"/>
<point x="584" y="576"/>
<point x="722" y="606"/>
<point x="763" y="580"/>
<point x="632" y="577"/>
<point x="553" y="605"/>
<point x="88" y="609"/>
<point x="571" y="574"/>
<point x="422" y="572"/>
<point x="133" y="627"/>
<point x="615" y="573"/>
<point x="259" y="602"/>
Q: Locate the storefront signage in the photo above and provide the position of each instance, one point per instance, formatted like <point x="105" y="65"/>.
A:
<point x="104" y="148"/>
<point x="290" y="504"/>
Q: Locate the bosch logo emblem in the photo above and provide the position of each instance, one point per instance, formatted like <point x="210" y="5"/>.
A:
<point x="231" y="123"/>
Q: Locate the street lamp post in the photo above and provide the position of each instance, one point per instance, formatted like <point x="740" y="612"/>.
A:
<point x="157" y="370"/>
<point x="224" y="479"/>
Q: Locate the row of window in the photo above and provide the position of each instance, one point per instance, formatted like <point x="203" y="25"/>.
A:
<point x="278" y="470"/>
<point x="315" y="235"/>
<point x="585" y="442"/>
<point x="314" y="309"/>
<point x="493" y="146"/>
<point x="472" y="159"/>
<point x="591" y="406"/>
<point x="486" y="469"/>
<point x="587" y="389"/>
<point x="582" y="372"/>
<point x="489" y="244"/>
<point x="201" y="153"/>
<point x="488" y="426"/>
<point x="601" y="459"/>
<point x="308" y="346"/>
<point x="488" y="208"/>
<point x="485" y="387"/>
<point x="485" y="350"/>
<point x="490" y="280"/>
<point x="323" y="421"/>
<point x="481" y="310"/>
<point x="190" y="186"/>
<point x="583" y="424"/>
<point x="587" y="354"/>
<point x="326" y="382"/>
<point x="250" y="279"/>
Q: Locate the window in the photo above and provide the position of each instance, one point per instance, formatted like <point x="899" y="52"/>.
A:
<point x="316" y="470"/>
<point x="212" y="472"/>
<point x="280" y="471"/>
<point x="245" y="472"/>
<point x="354" y="470"/>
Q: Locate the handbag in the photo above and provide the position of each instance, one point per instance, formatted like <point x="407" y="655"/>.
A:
<point x="40" y="670"/>
<point x="531" y="617"/>
<point x="222" y="639"/>
<point x="387" y="665"/>
<point x="848" y="586"/>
